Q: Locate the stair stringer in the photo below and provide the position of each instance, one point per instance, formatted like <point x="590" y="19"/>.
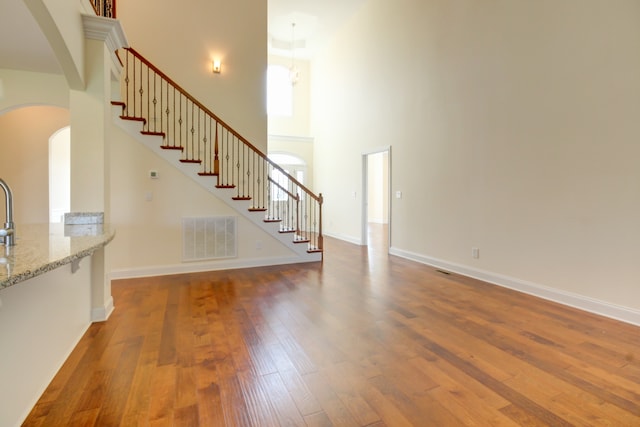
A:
<point x="153" y="142"/>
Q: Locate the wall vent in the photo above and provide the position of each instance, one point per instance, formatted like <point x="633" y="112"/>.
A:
<point x="208" y="238"/>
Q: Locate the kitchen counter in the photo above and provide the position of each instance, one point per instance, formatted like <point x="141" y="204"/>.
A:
<point x="41" y="248"/>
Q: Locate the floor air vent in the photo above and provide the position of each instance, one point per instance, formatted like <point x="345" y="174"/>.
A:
<point x="208" y="238"/>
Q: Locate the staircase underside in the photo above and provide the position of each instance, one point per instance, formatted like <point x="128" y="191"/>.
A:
<point x="155" y="141"/>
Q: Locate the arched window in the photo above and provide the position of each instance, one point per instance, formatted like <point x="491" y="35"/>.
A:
<point x="279" y="91"/>
<point x="293" y="165"/>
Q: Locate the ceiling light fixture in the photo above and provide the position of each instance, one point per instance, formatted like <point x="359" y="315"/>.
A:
<point x="294" y="73"/>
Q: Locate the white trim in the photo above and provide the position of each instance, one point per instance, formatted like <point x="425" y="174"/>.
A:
<point x="345" y="238"/>
<point x="617" y="312"/>
<point x="291" y="138"/>
<point x="229" y="264"/>
<point x="109" y="31"/>
<point x="100" y="314"/>
<point x="377" y="150"/>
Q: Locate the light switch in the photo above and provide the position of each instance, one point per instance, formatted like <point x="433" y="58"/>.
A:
<point x="398" y="194"/>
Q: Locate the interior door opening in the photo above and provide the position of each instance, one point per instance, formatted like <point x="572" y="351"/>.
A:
<point x="376" y="208"/>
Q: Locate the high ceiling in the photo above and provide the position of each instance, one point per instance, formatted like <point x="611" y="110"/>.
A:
<point x="24" y="47"/>
<point x="315" y="22"/>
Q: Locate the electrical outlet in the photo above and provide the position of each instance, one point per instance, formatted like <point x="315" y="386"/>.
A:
<point x="258" y="245"/>
<point x="475" y="253"/>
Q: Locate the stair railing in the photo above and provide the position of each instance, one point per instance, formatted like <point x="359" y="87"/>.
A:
<point x="167" y="110"/>
<point x="106" y="8"/>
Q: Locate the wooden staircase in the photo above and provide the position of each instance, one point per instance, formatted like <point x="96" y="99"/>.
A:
<point x="160" y="114"/>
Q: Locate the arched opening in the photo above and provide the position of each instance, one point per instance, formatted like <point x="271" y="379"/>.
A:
<point x="292" y="164"/>
<point x="25" y="133"/>
<point x="59" y="174"/>
<point x="279" y="91"/>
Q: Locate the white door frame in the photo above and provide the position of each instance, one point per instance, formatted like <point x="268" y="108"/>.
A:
<point x="365" y="193"/>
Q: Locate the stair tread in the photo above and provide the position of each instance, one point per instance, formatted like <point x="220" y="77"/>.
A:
<point x="296" y="236"/>
<point x="135" y="119"/>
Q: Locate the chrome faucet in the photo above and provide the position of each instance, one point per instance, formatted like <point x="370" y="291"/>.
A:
<point x="7" y="234"/>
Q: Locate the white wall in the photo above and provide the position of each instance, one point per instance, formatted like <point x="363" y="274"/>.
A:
<point x="149" y="234"/>
<point x="41" y="321"/>
<point x="24" y="163"/>
<point x="21" y="88"/>
<point x="61" y="23"/>
<point x="514" y="129"/>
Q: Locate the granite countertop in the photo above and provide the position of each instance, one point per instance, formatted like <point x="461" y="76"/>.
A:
<point x="41" y="248"/>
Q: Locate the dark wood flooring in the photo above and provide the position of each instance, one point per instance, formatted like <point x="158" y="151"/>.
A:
<point x="363" y="339"/>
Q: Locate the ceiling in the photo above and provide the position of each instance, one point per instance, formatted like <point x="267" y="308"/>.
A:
<point x="24" y="47"/>
<point x="22" y="44"/>
<point x="315" y="22"/>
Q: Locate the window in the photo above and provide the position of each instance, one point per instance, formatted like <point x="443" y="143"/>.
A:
<point x="292" y="165"/>
<point x="279" y="91"/>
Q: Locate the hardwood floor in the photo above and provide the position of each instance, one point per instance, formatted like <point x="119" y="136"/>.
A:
<point x="363" y="339"/>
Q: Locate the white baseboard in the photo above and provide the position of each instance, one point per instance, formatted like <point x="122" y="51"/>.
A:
<point x="100" y="314"/>
<point x="581" y="302"/>
<point x="164" y="270"/>
<point x="377" y="221"/>
<point x="350" y="239"/>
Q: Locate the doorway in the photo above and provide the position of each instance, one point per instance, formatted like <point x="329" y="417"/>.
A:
<point x="59" y="174"/>
<point x="376" y="207"/>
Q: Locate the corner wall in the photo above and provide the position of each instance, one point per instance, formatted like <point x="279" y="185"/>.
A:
<point x="514" y="130"/>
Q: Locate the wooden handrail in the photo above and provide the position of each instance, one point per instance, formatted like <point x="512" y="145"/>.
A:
<point x="165" y="109"/>
<point x="218" y="120"/>
<point x="293" y="196"/>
